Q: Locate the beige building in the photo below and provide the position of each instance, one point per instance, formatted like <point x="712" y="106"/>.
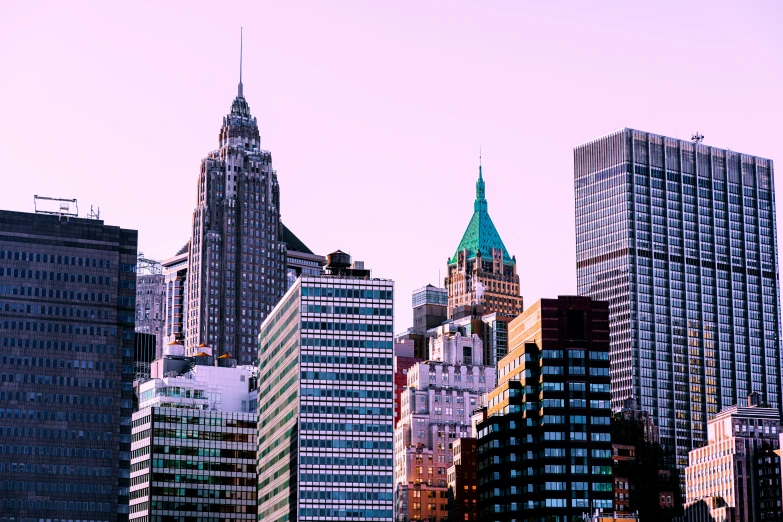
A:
<point x="436" y="409"/>
<point x="733" y="478"/>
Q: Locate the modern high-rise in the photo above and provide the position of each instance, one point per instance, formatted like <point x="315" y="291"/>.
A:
<point x="194" y="445"/>
<point x="435" y="410"/>
<point x="175" y="275"/>
<point x="481" y="271"/>
<point x="729" y="478"/>
<point x="680" y="238"/>
<point x="326" y="406"/>
<point x="237" y="257"/>
<point x="545" y="448"/>
<point x="66" y="372"/>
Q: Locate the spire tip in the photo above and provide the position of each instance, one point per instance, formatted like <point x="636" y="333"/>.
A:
<point x="241" y="95"/>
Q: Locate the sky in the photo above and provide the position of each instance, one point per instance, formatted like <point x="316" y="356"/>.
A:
<point x="374" y="112"/>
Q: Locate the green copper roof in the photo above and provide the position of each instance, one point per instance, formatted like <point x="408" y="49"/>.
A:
<point x="481" y="234"/>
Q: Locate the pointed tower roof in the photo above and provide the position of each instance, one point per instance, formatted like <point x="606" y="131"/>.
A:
<point x="481" y="234"/>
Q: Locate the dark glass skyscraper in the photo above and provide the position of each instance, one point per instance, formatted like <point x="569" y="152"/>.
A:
<point x="545" y="449"/>
<point x="681" y="239"/>
<point x="67" y="292"/>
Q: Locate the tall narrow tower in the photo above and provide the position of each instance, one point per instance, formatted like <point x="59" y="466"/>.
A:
<point x="236" y="267"/>
<point x="482" y="272"/>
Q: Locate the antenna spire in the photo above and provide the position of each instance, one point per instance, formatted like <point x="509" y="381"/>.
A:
<point x="241" y="95"/>
<point x="481" y="202"/>
<point x="480" y="176"/>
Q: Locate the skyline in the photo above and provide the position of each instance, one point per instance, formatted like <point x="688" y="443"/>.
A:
<point x="526" y="83"/>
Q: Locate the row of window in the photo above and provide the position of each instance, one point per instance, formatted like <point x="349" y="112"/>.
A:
<point x="345" y="410"/>
<point x="345" y="461"/>
<point x="60" y="260"/>
<point x="347" y="310"/>
<point x="65" y="346"/>
<point x="346" y="327"/>
<point x="347" y="444"/>
<point x="346" y="394"/>
<point x="83" y="471"/>
<point x="346" y="426"/>
<point x="71" y="416"/>
<point x="347" y="478"/>
<point x="344" y="514"/>
<point x="55" y="276"/>
<point x="346" y="343"/>
<point x="328" y="494"/>
<point x="61" y="294"/>
<point x="347" y="293"/>
<point x="347" y="359"/>
<point x="56" y="506"/>
<point x="58" y="380"/>
<point x="71" y="329"/>
<point x="347" y="376"/>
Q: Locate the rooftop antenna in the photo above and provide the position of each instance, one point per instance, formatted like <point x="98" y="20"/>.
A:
<point x="697" y="138"/>
<point x="94" y="214"/>
<point x="240" y="63"/>
<point x="64" y="211"/>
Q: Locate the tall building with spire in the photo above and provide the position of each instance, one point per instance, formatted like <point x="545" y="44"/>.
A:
<point x="237" y="258"/>
<point x="482" y="272"/>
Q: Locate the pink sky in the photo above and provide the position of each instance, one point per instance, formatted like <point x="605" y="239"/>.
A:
<point x="374" y="112"/>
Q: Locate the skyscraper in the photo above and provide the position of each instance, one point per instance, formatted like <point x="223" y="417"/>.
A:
<point x="325" y="399"/>
<point x="66" y="372"/>
<point x="482" y="272"/>
<point x="545" y="449"/>
<point x="681" y="239"/>
<point x="237" y="258"/>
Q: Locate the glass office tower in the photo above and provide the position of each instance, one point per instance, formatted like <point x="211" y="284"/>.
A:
<point x="680" y="238"/>
<point x="67" y="294"/>
<point x="326" y="399"/>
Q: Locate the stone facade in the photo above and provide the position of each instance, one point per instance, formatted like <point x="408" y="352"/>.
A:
<point x="150" y="303"/>
<point x="728" y="478"/>
<point x="237" y="257"/>
<point x="175" y="275"/>
<point x="482" y="272"/>
<point x="436" y="409"/>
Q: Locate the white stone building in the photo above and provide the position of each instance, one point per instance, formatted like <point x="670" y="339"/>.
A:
<point x="436" y="409"/>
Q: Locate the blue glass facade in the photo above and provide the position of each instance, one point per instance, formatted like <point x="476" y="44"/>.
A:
<point x="326" y="402"/>
<point x="680" y="238"/>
